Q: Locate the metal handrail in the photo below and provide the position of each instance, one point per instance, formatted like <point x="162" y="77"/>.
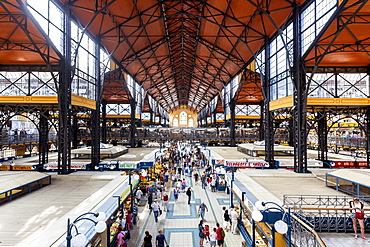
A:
<point x="310" y="229"/>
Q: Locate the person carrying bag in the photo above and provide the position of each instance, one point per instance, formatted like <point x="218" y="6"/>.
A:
<point x="357" y="214"/>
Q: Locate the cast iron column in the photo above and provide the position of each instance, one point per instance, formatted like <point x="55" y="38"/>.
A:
<point x="151" y="117"/>
<point x="367" y="133"/>
<point x="300" y="98"/>
<point x="269" y="131"/>
<point x="133" y="125"/>
<point x="104" y="122"/>
<point x="95" y="142"/>
<point x="322" y="133"/>
<point x="74" y="131"/>
<point x="64" y="99"/>
<point x="261" y="120"/>
<point x="232" y="123"/>
<point x="43" y="137"/>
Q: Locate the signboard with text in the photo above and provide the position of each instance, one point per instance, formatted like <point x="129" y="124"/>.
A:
<point x="145" y="165"/>
<point x="218" y="162"/>
<point x="54" y="166"/>
<point x="247" y="164"/>
<point x="5" y="167"/>
<point x="22" y="168"/>
<point x="349" y="164"/>
<point x="127" y="166"/>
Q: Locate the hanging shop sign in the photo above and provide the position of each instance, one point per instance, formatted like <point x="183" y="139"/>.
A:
<point x="146" y="165"/>
<point x="218" y="162"/>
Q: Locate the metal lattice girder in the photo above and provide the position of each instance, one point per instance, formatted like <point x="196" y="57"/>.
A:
<point x="182" y="52"/>
<point x="22" y="37"/>
<point x="43" y="137"/>
<point x="342" y="40"/>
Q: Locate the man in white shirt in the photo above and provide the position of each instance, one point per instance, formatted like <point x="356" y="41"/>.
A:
<point x="138" y="196"/>
<point x="155" y="207"/>
<point x="212" y="238"/>
<point x="234" y="220"/>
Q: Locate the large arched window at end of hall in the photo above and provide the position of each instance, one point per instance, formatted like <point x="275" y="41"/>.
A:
<point x="191" y="122"/>
<point x="183" y="118"/>
<point x="176" y="122"/>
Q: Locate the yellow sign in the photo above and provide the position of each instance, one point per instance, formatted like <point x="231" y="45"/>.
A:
<point x="5" y="167"/>
<point x="22" y="168"/>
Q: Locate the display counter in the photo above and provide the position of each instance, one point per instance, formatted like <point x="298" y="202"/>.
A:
<point x="263" y="230"/>
<point x="221" y="185"/>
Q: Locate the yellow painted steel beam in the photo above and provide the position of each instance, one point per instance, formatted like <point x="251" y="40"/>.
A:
<point x="29" y="99"/>
<point x="282" y="103"/>
<point x="83" y="102"/>
<point x="338" y="101"/>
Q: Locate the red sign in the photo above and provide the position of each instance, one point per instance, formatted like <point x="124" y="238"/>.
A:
<point x="349" y="164"/>
<point x="247" y="164"/>
<point x="344" y="163"/>
<point x="361" y="163"/>
<point x="73" y="166"/>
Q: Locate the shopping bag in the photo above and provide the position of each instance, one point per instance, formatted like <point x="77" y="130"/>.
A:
<point x="360" y="215"/>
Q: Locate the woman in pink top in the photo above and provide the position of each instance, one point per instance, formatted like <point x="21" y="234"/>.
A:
<point x="120" y="237"/>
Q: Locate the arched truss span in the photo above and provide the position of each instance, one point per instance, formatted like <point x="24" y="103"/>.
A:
<point x="182" y="52"/>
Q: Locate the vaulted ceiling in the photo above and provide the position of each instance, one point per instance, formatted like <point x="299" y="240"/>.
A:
<point x="182" y="52"/>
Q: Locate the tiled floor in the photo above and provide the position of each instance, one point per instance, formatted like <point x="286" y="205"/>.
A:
<point x="47" y="210"/>
<point x="180" y="223"/>
<point x="343" y="240"/>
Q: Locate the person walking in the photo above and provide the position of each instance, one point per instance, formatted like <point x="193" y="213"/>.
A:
<point x="196" y="177"/>
<point x="234" y="220"/>
<point x="220" y="235"/>
<point x="120" y="237"/>
<point x="207" y="233"/>
<point x="213" y="184"/>
<point x="147" y="240"/>
<point x="201" y="233"/>
<point x="128" y="220"/>
<point x="213" y="238"/>
<point x="160" y="239"/>
<point x="155" y="207"/>
<point x="135" y="213"/>
<point x="188" y="193"/>
<point x="227" y="220"/>
<point x="138" y="196"/>
<point x="150" y="200"/>
<point x="203" y="181"/>
<point x="183" y="185"/>
<point x="357" y="215"/>
<point x="202" y="210"/>
<point x="176" y="194"/>
<point x="165" y="201"/>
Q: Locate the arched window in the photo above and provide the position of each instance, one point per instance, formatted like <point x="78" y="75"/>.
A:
<point x="183" y="118"/>
<point x="176" y="122"/>
<point x="191" y="122"/>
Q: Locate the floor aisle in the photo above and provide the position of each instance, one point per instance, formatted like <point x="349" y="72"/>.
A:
<point x="180" y="223"/>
